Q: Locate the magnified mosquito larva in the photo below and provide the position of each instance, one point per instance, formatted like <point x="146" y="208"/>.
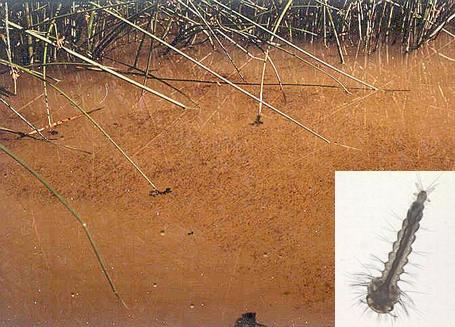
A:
<point x="383" y="292"/>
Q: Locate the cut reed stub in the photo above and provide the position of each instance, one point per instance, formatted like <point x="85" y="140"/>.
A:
<point x="383" y="293"/>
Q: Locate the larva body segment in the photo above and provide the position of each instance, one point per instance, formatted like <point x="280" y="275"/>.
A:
<point x="383" y="292"/>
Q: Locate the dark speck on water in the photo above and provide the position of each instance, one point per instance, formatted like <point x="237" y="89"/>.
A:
<point x="158" y="192"/>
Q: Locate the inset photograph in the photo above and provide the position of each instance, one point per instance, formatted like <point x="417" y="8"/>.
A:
<point x="394" y="253"/>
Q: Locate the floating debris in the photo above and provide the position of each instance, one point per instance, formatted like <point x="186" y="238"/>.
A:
<point x="258" y="121"/>
<point x="157" y="192"/>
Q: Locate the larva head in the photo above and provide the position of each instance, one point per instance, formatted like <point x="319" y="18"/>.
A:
<point x="422" y="197"/>
<point x="381" y="296"/>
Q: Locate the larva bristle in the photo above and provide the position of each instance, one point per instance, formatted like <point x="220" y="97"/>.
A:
<point x="375" y="257"/>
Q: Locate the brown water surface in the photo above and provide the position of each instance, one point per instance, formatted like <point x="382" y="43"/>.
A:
<point x="249" y="225"/>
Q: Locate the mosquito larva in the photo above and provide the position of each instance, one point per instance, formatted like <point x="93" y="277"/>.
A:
<point x="383" y="292"/>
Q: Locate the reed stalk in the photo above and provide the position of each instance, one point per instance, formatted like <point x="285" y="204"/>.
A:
<point x="73" y="212"/>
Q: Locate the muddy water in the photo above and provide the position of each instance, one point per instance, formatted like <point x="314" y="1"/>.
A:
<point x="249" y="223"/>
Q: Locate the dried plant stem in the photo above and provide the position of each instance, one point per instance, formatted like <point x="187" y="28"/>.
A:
<point x="266" y="58"/>
<point x="46" y="99"/>
<point x="102" y="67"/>
<point x="94" y="123"/>
<point x="74" y="213"/>
<point x="22" y="118"/>
<point x="217" y="75"/>
<point x="297" y="48"/>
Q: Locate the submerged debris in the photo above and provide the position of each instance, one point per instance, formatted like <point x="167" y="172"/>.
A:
<point x="248" y="320"/>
